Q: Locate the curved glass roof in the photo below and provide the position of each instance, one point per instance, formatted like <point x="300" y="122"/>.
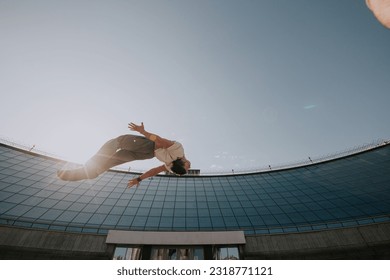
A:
<point x="349" y="191"/>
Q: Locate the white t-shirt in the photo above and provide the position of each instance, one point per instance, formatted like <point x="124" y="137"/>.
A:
<point x="167" y="155"/>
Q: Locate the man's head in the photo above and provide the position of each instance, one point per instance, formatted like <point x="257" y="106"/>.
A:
<point x="181" y="166"/>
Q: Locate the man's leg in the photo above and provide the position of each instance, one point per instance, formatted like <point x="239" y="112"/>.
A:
<point x="94" y="166"/>
<point x="127" y="148"/>
<point x="117" y="151"/>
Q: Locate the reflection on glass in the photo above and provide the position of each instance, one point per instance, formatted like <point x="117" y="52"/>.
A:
<point x="172" y="254"/>
<point x="127" y="253"/>
<point x="192" y="253"/>
<point x="227" y="253"/>
<point x="120" y="253"/>
<point x="198" y="254"/>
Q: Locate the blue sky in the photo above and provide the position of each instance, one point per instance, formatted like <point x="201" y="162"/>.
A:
<point x="242" y="84"/>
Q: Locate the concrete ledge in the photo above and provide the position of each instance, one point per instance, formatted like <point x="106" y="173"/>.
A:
<point x="20" y="243"/>
<point x="175" y="238"/>
<point x="364" y="242"/>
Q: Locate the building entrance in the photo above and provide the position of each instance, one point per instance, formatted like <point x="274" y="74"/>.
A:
<point x="144" y="245"/>
<point x="177" y="253"/>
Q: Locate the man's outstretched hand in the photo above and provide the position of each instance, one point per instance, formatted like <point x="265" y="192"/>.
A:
<point x="133" y="182"/>
<point x="138" y="128"/>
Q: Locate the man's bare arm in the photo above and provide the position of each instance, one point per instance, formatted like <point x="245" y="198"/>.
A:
<point x="160" y="142"/>
<point x="152" y="172"/>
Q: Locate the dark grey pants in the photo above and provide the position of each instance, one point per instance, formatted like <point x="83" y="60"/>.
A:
<point x="114" y="152"/>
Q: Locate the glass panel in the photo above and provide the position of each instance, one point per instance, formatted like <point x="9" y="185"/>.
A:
<point x="222" y="253"/>
<point x="198" y="254"/>
<point x="120" y="253"/>
<point x="172" y="254"/>
<point x="157" y="254"/>
<point x="227" y="253"/>
<point x="133" y="254"/>
<point x="127" y="253"/>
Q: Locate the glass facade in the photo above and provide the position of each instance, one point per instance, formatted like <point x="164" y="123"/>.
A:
<point x="349" y="191"/>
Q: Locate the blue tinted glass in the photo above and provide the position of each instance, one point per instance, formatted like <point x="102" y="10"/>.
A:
<point x="345" y="192"/>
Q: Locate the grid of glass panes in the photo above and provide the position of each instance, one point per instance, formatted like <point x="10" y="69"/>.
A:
<point x="345" y="192"/>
